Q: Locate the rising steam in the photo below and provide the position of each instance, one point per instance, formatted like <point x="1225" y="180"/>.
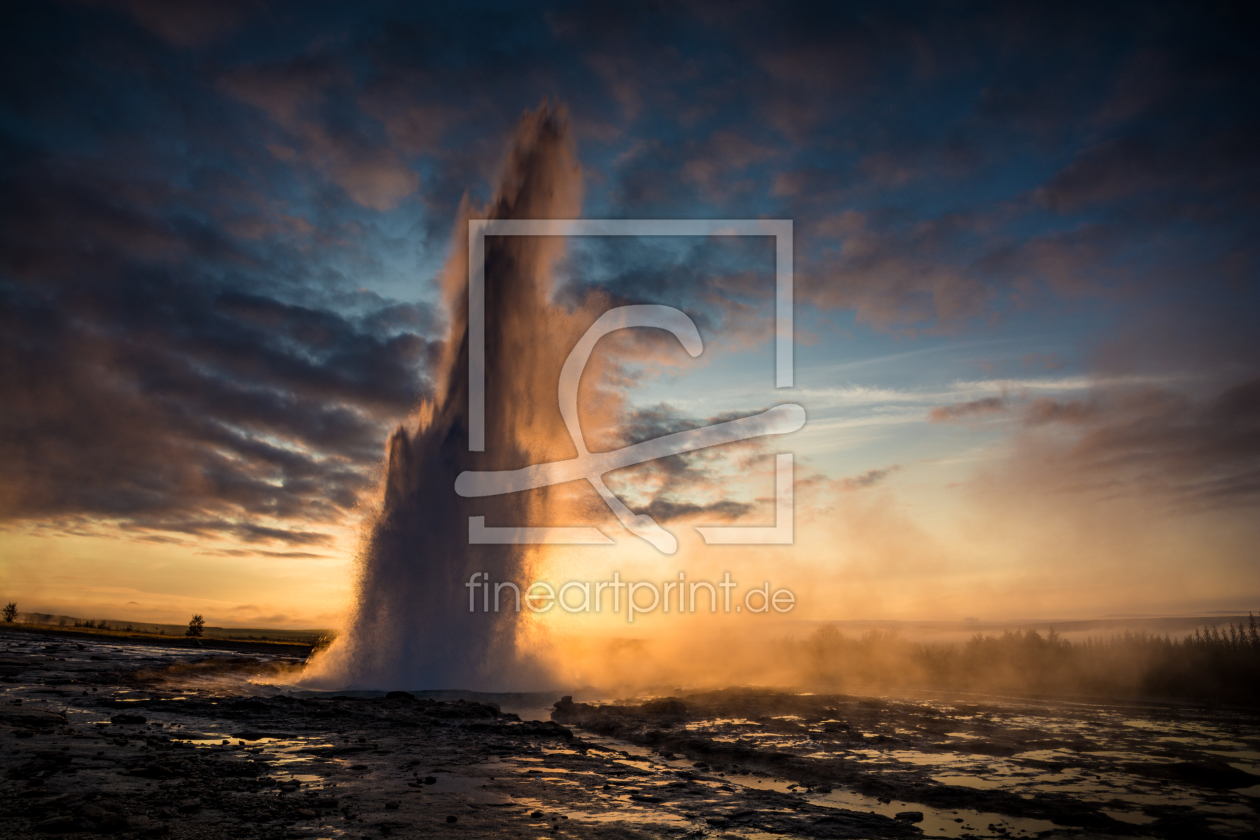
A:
<point x="411" y="626"/>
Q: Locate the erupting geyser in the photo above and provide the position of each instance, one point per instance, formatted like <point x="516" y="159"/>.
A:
<point x="411" y="626"/>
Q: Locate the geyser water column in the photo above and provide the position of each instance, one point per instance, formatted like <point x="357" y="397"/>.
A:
<point x="410" y="626"/>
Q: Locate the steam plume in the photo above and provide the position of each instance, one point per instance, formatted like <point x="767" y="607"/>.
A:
<point x="411" y="626"/>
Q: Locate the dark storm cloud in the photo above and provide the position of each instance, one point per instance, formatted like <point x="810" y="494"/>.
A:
<point x="142" y="387"/>
<point x="174" y="358"/>
<point x="184" y="24"/>
<point x="946" y="169"/>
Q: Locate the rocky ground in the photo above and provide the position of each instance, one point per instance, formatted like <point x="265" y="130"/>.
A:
<point x="1000" y="768"/>
<point x="105" y="739"/>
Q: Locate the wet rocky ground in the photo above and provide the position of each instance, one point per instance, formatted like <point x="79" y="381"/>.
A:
<point x="999" y="768"/>
<point x="136" y="741"/>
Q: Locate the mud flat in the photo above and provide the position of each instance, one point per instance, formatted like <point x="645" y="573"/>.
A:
<point x="132" y="741"/>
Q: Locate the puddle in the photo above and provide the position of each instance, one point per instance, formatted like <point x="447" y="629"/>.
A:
<point x="1130" y="817"/>
<point x="610" y="811"/>
<point x="937" y="823"/>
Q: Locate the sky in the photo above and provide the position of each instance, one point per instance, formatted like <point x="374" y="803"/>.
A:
<point x="1025" y="290"/>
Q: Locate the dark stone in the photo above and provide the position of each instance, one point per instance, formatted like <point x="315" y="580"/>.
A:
<point x="665" y="707"/>
<point x="1215" y="775"/>
<point x="18" y="717"/>
<point x="400" y="695"/>
<point x="59" y="824"/>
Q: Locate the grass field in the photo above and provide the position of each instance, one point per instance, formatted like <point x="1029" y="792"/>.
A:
<point x="71" y="625"/>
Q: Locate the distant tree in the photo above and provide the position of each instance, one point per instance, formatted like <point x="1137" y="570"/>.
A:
<point x="10" y="612"/>
<point x="196" y="626"/>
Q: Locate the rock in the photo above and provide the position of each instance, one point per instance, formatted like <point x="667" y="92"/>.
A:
<point x="400" y="695"/>
<point x="910" y="816"/>
<point x="305" y="814"/>
<point x="18" y="717"/>
<point x="155" y="771"/>
<point x="665" y="707"/>
<point x="452" y="819"/>
<point x="1217" y="775"/>
<point x="95" y="813"/>
<point x="59" y="824"/>
<point x="249" y="704"/>
<point x="102" y="819"/>
<point x="189" y="806"/>
<point x="537" y="815"/>
<point x="138" y="822"/>
<point x="429" y="780"/>
<point x="128" y="719"/>
<point x="393" y="805"/>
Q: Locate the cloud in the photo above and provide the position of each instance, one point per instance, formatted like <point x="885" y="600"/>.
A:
<point x="869" y="478"/>
<point x="298" y="95"/>
<point x="1178" y="451"/>
<point x="719" y="484"/>
<point x="1044" y="411"/>
<point x="157" y="372"/>
<point x="194" y="24"/>
<point x="968" y="410"/>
